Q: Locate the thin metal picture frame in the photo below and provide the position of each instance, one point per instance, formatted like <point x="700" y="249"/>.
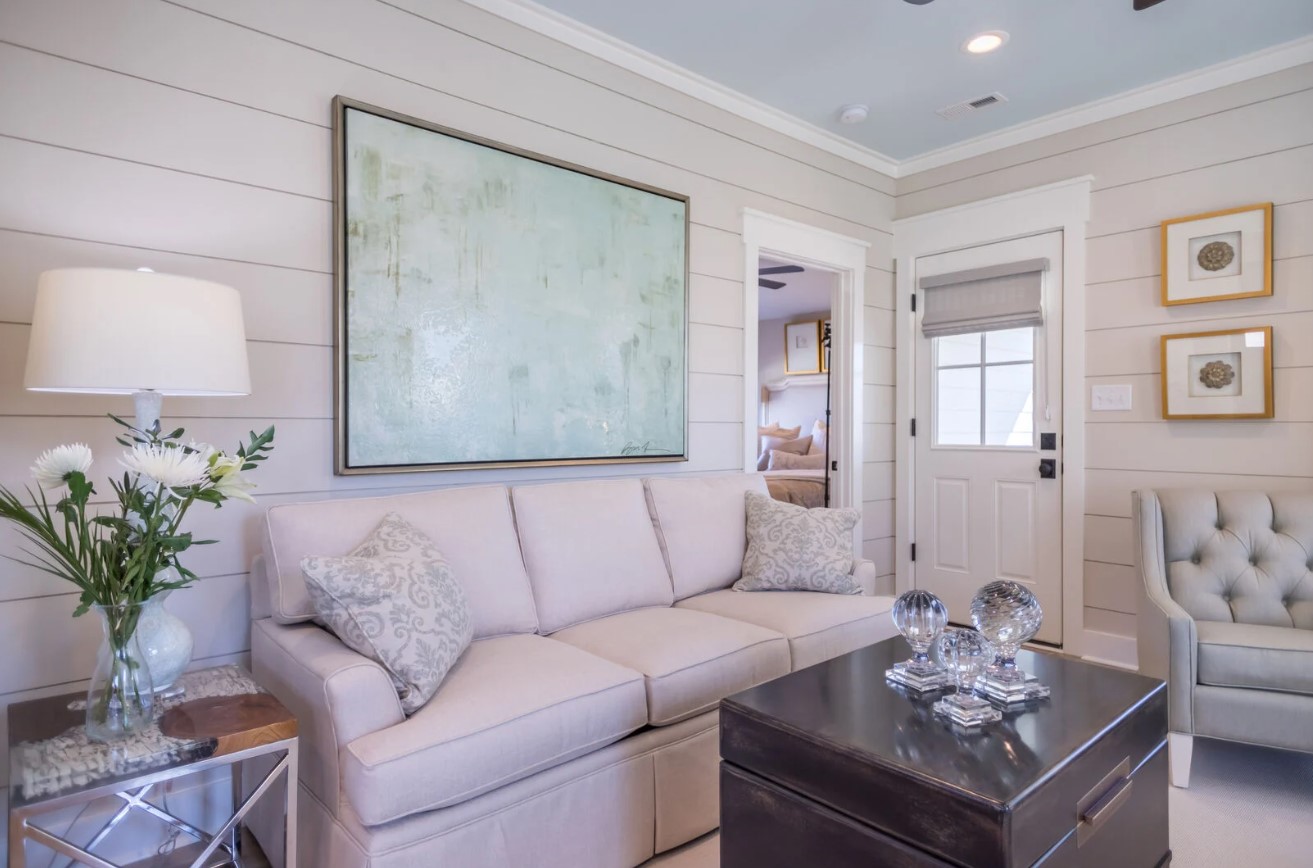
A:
<point x="342" y="467"/>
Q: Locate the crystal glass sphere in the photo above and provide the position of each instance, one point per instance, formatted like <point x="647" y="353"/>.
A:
<point x="965" y="653"/>
<point x="1008" y="615"/>
<point x="920" y="616"/>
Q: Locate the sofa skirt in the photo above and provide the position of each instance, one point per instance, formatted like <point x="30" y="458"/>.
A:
<point x="613" y="808"/>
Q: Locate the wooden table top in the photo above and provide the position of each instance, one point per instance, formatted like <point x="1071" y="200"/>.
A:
<point x="845" y="706"/>
<point x="220" y="712"/>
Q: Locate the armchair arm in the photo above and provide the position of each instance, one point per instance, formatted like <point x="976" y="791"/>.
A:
<point x="336" y="694"/>
<point x="1167" y="642"/>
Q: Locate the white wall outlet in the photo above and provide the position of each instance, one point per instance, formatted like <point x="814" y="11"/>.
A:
<point x="1110" y="397"/>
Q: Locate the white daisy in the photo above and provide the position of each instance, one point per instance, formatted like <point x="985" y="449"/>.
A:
<point x="53" y="467"/>
<point x="169" y="467"/>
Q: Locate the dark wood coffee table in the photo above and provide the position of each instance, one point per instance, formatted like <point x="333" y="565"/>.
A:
<point x="832" y="765"/>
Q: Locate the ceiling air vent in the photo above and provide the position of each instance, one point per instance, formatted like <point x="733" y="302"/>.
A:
<point x="960" y="108"/>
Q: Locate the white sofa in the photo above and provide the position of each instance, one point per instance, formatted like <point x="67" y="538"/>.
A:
<point x="580" y="728"/>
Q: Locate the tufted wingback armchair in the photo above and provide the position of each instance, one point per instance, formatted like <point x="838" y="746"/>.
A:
<point x="1226" y="615"/>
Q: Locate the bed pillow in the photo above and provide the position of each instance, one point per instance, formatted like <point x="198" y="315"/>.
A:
<point x="781" y="444"/>
<point x="789" y="461"/>
<point x="819" y="434"/>
<point x="395" y="600"/>
<point x="774" y="430"/>
<point x="795" y="549"/>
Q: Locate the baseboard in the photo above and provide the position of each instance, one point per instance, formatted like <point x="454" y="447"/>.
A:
<point x="1110" y="649"/>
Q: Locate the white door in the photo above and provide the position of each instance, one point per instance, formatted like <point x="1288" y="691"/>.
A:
<point x="985" y="402"/>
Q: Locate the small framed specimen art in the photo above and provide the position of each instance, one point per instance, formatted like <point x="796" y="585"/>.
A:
<point x="1217" y="256"/>
<point x="1218" y="375"/>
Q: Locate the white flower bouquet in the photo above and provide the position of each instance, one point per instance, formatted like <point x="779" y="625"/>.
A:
<point x="119" y="558"/>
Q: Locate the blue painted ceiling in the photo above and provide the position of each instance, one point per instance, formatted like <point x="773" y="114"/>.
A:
<point x="809" y="57"/>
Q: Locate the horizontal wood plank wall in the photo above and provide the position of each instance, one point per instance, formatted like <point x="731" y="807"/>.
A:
<point x="194" y="137"/>
<point x="1249" y="142"/>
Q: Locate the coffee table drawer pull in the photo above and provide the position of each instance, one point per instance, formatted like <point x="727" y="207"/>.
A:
<point x="1100" y="804"/>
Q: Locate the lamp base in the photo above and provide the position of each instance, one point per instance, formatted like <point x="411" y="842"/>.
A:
<point x="146" y="405"/>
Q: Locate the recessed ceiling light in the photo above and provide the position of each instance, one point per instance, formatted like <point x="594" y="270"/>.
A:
<point x="983" y="43"/>
<point x="853" y="114"/>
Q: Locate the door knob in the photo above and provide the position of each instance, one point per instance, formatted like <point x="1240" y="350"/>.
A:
<point x="1048" y="468"/>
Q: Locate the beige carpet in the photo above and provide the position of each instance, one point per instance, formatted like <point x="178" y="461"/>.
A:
<point x="1246" y="806"/>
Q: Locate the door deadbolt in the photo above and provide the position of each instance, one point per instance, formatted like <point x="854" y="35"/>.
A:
<point x="1048" y="468"/>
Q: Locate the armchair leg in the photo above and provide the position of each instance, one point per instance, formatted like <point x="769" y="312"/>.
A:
<point x="1180" y="747"/>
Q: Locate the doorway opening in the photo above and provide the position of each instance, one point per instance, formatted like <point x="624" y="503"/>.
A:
<point x="795" y="411"/>
<point x="842" y="261"/>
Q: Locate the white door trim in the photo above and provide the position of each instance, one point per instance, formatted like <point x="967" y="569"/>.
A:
<point x="1062" y="205"/>
<point x="779" y="236"/>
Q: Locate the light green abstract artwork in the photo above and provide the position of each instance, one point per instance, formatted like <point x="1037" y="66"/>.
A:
<point x="497" y="308"/>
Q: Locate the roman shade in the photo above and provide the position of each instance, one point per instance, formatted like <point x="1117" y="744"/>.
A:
<point x="984" y="299"/>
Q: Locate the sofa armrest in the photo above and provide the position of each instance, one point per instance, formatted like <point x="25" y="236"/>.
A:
<point x="864" y="573"/>
<point x="336" y="694"/>
<point x="1167" y="643"/>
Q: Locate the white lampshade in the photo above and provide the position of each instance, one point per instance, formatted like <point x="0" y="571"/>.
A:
<point x="114" y="332"/>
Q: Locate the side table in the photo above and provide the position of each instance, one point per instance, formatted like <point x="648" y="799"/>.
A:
<point x="221" y="718"/>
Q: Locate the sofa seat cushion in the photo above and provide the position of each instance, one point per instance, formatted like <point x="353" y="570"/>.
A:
<point x="1255" y="656"/>
<point x="818" y="626"/>
<point x="690" y="660"/>
<point x="512" y="706"/>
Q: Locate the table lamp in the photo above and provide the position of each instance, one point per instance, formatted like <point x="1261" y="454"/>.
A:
<point x="109" y="331"/>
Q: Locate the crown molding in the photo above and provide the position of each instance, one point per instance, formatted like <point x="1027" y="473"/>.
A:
<point x="589" y="40"/>
<point x="1243" y="68"/>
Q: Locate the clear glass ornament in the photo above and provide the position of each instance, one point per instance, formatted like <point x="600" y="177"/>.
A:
<point x="965" y="654"/>
<point x="1008" y="615"/>
<point x="920" y="616"/>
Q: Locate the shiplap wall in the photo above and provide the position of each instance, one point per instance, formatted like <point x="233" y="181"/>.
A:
<point x="1250" y="142"/>
<point x="194" y="137"/>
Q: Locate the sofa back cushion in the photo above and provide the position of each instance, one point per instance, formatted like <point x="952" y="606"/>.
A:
<point x="472" y="527"/>
<point x="701" y="523"/>
<point x="1241" y="556"/>
<point x="590" y="550"/>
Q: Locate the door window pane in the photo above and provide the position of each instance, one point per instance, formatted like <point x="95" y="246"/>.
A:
<point x="1010" y="345"/>
<point x="957" y="407"/>
<point x="1009" y="405"/>
<point x="958" y="350"/>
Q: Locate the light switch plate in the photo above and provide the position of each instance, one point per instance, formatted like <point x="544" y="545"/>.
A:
<point x="1110" y="397"/>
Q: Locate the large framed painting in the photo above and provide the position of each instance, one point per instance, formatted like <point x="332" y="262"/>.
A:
<point x="497" y="307"/>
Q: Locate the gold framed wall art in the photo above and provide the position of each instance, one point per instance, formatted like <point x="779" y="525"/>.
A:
<point x="802" y="347"/>
<point x="1218" y="374"/>
<point x="1217" y="256"/>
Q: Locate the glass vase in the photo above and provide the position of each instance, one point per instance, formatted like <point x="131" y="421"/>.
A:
<point x="120" y="701"/>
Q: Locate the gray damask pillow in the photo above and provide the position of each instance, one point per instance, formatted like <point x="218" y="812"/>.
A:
<point x="395" y="600"/>
<point x="791" y="548"/>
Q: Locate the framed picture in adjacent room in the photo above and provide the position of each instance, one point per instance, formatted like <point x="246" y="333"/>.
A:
<point x="802" y="347"/>
<point x="497" y="307"/>
<point x="1218" y="375"/>
<point x="1217" y="256"/>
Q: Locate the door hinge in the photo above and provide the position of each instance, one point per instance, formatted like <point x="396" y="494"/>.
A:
<point x="914" y="302"/>
<point x="913" y="552"/>
<point x="834" y="465"/>
<point x="914" y="427"/>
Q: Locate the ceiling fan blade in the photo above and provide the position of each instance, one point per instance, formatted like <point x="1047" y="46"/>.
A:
<point x="781" y="269"/>
<point x="769" y="284"/>
<point x="1141" y="5"/>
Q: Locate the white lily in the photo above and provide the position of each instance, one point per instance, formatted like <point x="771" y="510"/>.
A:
<point x="233" y="485"/>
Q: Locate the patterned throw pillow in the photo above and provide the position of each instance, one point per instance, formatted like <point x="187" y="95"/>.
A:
<point x="395" y="600"/>
<point x="791" y="548"/>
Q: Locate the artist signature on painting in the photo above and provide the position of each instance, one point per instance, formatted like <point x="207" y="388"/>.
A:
<point x="647" y="447"/>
